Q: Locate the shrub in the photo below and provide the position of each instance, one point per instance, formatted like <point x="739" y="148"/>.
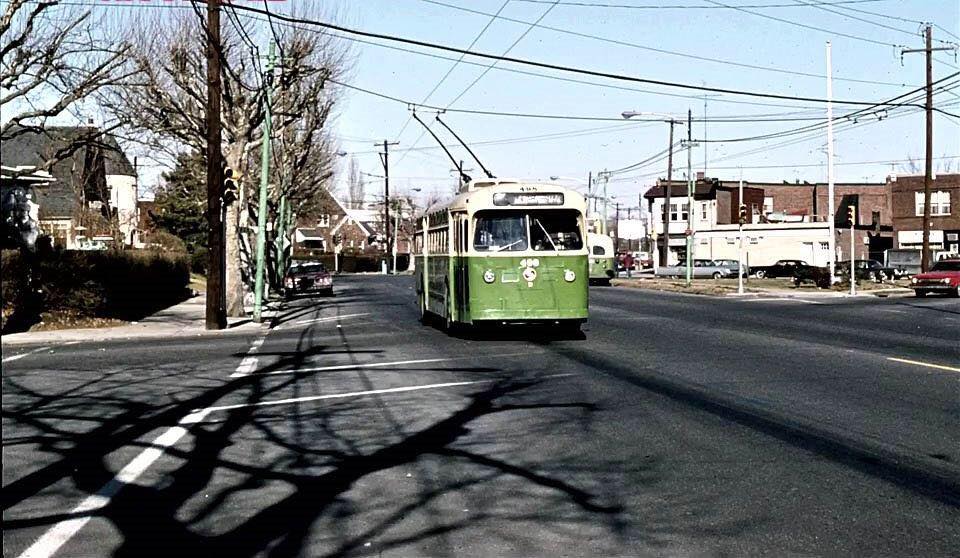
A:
<point x="109" y="284"/>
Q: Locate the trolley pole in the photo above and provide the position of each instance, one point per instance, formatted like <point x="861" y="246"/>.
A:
<point x="262" y="208"/>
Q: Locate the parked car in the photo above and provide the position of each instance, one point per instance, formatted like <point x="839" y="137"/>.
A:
<point x="867" y="270"/>
<point x="701" y="269"/>
<point x="783" y="268"/>
<point x="644" y="260"/>
<point x="819" y="276"/>
<point x="306" y="277"/>
<point x="733" y="266"/>
<point x="943" y="277"/>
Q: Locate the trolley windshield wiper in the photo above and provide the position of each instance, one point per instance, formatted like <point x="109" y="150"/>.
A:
<point x="511" y="245"/>
<point x="539" y="224"/>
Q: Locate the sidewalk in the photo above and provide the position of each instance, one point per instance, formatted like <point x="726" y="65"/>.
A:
<point x="187" y="319"/>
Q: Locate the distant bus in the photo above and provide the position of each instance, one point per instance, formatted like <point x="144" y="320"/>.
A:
<point x="502" y="252"/>
<point x="602" y="264"/>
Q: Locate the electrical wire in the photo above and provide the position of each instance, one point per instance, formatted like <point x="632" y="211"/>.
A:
<point x="685" y="6"/>
<point x="456" y="63"/>
<point x="548" y="66"/>
<point x="663" y="51"/>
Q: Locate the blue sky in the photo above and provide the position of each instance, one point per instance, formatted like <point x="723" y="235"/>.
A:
<point x="867" y="66"/>
<point x="724" y="34"/>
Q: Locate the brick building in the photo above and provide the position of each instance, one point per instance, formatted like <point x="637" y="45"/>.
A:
<point x="809" y="202"/>
<point x="907" y="210"/>
<point x="714" y="203"/>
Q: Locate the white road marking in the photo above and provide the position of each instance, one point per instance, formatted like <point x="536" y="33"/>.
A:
<point x="359" y="366"/>
<point x="59" y="534"/>
<point x="339" y="396"/>
<point x="249" y="362"/>
<point x="23" y="355"/>
<point x="803" y="300"/>
<point x="927" y="364"/>
<point x="323" y="319"/>
<point x="892" y="311"/>
<point x="354" y="394"/>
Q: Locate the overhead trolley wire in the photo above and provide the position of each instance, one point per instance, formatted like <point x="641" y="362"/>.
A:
<point x="549" y="66"/>
<point x="664" y="51"/>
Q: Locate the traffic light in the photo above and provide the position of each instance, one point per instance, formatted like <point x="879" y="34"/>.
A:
<point x="743" y="213"/>
<point x="231" y="190"/>
<point x="852" y="214"/>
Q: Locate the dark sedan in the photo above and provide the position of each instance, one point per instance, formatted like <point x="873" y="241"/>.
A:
<point x="307" y="277"/>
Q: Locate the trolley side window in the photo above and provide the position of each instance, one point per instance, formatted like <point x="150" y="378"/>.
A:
<point x="599" y="251"/>
<point x="500" y="231"/>
<point x="555" y="230"/>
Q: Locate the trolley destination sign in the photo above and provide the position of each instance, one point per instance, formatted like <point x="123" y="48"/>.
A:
<point x="518" y="198"/>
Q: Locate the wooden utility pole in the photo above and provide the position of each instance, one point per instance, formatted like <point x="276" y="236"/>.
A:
<point x="216" y="313"/>
<point x="385" y="159"/>
<point x="928" y="171"/>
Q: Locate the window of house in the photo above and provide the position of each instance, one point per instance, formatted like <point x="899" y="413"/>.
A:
<point x="767" y="205"/>
<point x="939" y="203"/>
<point x="704" y="209"/>
<point x="673" y="212"/>
<point x="324" y="220"/>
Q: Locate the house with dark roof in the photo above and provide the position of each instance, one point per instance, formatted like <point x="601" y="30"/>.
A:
<point x="93" y="191"/>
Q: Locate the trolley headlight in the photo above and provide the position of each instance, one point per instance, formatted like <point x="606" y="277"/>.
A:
<point x="569" y="276"/>
<point x="489" y="276"/>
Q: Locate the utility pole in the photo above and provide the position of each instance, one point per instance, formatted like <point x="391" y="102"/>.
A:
<point x="262" y="208"/>
<point x="589" y="191"/>
<point x="830" y="186"/>
<point x="385" y="160"/>
<point x="928" y="172"/>
<point x="606" y="179"/>
<point x="216" y="310"/>
<point x="665" y="238"/>
<point x="690" y="186"/>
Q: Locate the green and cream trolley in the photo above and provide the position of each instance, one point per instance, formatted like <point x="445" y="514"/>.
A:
<point x="602" y="266"/>
<point x="504" y="251"/>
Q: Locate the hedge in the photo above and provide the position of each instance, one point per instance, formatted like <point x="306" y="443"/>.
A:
<point x="110" y="284"/>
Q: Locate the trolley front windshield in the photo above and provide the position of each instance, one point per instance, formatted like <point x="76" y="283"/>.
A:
<point x="549" y="230"/>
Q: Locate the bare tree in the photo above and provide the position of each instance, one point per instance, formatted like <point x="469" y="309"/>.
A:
<point x="355" y="184"/>
<point x="165" y="109"/>
<point x="53" y="59"/>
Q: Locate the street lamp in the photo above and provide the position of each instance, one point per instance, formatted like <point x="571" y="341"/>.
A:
<point x="664" y="244"/>
<point x="627" y="114"/>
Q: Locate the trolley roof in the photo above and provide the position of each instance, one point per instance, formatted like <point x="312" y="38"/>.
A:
<point x="506" y="193"/>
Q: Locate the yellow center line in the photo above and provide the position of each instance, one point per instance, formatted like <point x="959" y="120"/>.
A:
<point x="927" y="364"/>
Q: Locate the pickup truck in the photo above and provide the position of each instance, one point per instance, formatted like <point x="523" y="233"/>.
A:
<point x="702" y="269"/>
<point x="783" y="268"/>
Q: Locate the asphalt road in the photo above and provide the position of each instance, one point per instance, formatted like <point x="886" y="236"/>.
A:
<point x="677" y="425"/>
